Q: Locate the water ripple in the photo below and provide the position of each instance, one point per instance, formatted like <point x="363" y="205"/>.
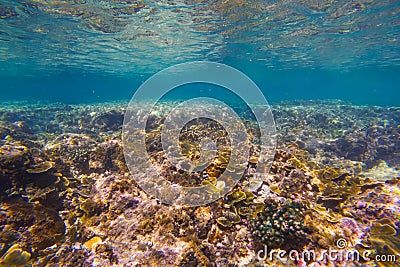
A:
<point x="119" y="37"/>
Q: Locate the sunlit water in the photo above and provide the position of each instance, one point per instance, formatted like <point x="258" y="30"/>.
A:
<point x="86" y="50"/>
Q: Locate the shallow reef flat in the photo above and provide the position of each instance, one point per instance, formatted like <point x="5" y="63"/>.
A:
<point x="68" y="198"/>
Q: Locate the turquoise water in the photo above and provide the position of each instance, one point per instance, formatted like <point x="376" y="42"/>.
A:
<point x="93" y="51"/>
<point x="87" y="179"/>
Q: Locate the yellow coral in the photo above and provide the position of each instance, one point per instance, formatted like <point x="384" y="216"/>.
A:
<point x="235" y="196"/>
<point x="41" y="167"/>
<point x="384" y="237"/>
<point x="14" y="257"/>
<point x="92" y="242"/>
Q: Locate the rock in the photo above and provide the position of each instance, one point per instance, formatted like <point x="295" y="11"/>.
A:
<point x="107" y="121"/>
<point x="13" y="158"/>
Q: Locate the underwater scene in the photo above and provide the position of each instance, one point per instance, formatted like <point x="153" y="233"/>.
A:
<point x="189" y="133"/>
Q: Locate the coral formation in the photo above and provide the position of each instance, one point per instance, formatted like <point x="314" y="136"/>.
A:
<point x="15" y="256"/>
<point x="41" y="167"/>
<point x="280" y="224"/>
<point x="67" y="196"/>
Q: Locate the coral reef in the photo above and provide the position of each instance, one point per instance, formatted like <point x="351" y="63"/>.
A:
<point x="280" y="225"/>
<point x="67" y="196"/>
<point x="15" y="256"/>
